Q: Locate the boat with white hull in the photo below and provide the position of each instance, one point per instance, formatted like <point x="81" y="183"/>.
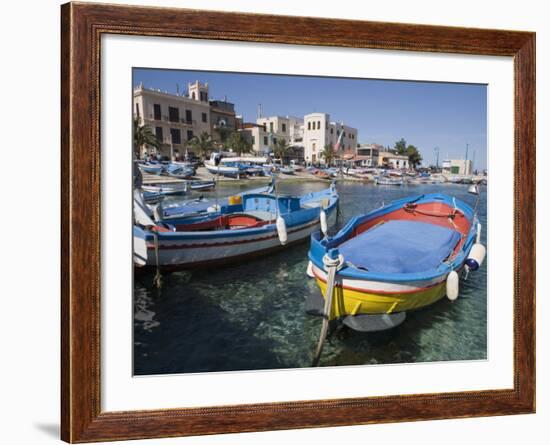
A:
<point x="263" y="224"/>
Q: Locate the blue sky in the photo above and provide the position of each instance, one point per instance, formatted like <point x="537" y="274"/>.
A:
<point x="425" y="114"/>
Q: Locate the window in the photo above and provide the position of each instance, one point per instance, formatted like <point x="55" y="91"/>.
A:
<point x="137" y="110"/>
<point x="157" y="115"/>
<point x="173" y="114"/>
<point x="189" y="135"/>
<point x="204" y="117"/>
<point x="271" y="127"/>
<point x="283" y="125"/>
<point x="265" y="140"/>
<point x="193" y="96"/>
<point x="274" y="140"/>
<point x="332" y="131"/>
<point x="309" y="125"/>
<point x="318" y="125"/>
<point x="175" y="134"/>
<point x="253" y="140"/>
<point x="264" y="126"/>
<point x="188" y="116"/>
<point x="158" y="134"/>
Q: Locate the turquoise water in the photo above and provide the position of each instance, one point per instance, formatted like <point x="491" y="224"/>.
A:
<point x="251" y="315"/>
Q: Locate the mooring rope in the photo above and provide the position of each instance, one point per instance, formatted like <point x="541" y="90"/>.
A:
<point x="332" y="262"/>
<point x="157" y="281"/>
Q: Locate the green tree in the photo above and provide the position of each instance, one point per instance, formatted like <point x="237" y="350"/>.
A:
<point x="415" y="158"/>
<point x="401" y="147"/>
<point x="280" y="148"/>
<point x="328" y="154"/>
<point x="238" y="143"/>
<point x="143" y="135"/>
<point x="202" y="145"/>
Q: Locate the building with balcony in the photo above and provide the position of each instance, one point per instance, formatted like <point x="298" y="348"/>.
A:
<point x="393" y="160"/>
<point x="319" y="132"/>
<point x="288" y="128"/>
<point x="367" y="155"/>
<point x="223" y="119"/>
<point x="174" y="119"/>
<point x="258" y="137"/>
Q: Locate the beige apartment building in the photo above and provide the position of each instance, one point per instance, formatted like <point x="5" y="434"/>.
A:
<point x="176" y="119"/>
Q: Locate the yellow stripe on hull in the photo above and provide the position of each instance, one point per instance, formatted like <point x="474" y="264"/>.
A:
<point x="353" y="302"/>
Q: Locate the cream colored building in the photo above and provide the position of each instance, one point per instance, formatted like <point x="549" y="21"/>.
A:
<point x="258" y="137"/>
<point x="173" y="118"/>
<point x="457" y="166"/>
<point x="393" y="160"/>
<point x="288" y="128"/>
<point x="319" y="131"/>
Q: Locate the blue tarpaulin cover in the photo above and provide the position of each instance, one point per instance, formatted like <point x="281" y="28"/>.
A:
<point x="400" y="247"/>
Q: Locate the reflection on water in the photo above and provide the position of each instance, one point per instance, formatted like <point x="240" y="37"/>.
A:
<point x="251" y="315"/>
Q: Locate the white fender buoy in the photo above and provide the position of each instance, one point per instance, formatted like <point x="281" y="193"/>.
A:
<point x="323" y="220"/>
<point x="476" y="256"/>
<point x="309" y="270"/>
<point x="452" y="286"/>
<point x="213" y="208"/>
<point x="281" y="230"/>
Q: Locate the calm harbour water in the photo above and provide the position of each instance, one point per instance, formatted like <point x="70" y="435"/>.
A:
<point x="251" y="315"/>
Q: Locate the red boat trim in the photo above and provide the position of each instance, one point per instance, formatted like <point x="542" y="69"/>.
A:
<point x="382" y="292"/>
<point x="228" y="243"/>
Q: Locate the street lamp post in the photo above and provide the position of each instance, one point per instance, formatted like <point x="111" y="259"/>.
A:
<point x="436" y="150"/>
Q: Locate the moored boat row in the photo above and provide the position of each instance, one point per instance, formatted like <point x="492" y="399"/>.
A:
<point x="382" y="264"/>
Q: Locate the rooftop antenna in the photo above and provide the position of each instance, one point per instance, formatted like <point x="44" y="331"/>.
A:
<point x="259" y="111"/>
<point x="178" y="89"/>
<point x="467" y="145"/>
<point x="436" y="149"/>
<point x="473" y="160"/>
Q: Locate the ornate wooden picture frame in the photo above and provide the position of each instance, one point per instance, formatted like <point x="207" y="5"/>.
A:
<point x="82" y="26"/>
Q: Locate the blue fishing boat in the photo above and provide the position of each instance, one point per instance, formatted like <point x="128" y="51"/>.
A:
<point x="249" y="225"/>
<point x="200" y="186"/>
<point x="154" y="169"/>
<point x="400" y="257"/>
<point x="179" y="188"/>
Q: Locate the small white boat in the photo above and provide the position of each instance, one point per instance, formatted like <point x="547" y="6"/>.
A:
<point x="166" y="189"/>
<point x="388" y="180"/>
<point x="202" y="185"/>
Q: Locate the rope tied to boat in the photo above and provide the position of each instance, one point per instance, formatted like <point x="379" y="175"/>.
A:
<point x="333" y="262"/>
<point x="413" y="208"/>
<point x="157" y="280"/>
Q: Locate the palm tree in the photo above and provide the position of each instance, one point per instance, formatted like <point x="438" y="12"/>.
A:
<point x="143" y="135"/>
<point x="238" y="143"/>
<point x="202" y="145"/>
<point x="328" y="154"/>
<point x="280" y="148"/>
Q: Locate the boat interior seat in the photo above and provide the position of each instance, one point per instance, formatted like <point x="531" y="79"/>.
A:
<point x="400" y="246"/>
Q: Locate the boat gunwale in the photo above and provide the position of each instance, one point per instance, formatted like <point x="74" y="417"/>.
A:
<point x="319" y="245"/>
